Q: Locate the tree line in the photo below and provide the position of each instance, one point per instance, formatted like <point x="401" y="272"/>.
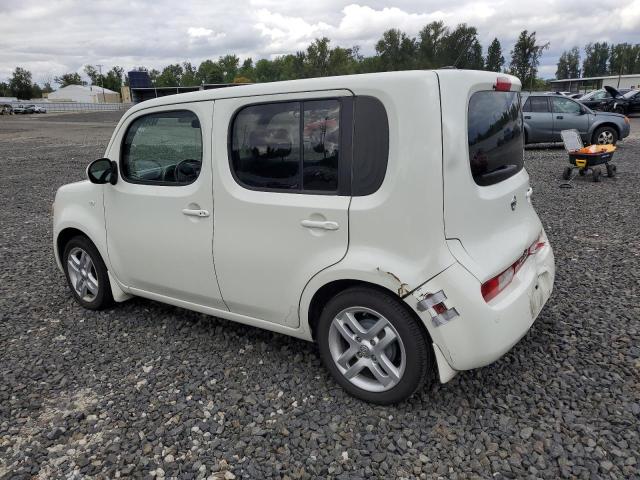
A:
<point x="435" y="46"/>
<point x="601" y="59"/>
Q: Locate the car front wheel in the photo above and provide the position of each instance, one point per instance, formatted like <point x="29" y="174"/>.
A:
<point x="605" y="136"/>
<point x="373" y="346"/>
<point x="87" y="274"/>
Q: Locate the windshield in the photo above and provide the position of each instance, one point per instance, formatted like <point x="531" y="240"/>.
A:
<point x="631" y="93"/>
<point x="495" y="136"/>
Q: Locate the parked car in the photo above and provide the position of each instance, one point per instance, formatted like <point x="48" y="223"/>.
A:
<point x="6" y="109"/>
<point x="387" y="217"/>
<point x="545" y="116"/>
<point x="37" y="108"/>
<point x="626" y="103"/>
<point x="599" y="99"/>
<point x="20" y="109"/>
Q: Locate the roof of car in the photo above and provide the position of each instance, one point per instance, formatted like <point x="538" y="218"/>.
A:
<point x="366" y="80"/>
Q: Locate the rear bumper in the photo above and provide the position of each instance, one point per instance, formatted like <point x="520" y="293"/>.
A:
<point x="483" y="332"/>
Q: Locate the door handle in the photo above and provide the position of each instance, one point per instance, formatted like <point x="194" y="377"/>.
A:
<point x="322" y="224"/>
<point x="560" y="117"/>
<point x="527" y="117"/>
<point x="529" y="193"/>
<point x="195" y="213"/>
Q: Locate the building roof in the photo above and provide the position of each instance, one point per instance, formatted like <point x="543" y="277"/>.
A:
<point x="583" y="79"/>
<point x="85" y="88"/>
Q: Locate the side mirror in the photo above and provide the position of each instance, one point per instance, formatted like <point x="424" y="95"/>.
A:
<point x="103" y="171"/>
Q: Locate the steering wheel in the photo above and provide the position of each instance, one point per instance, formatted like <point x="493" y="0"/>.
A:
<point x="187" y="170"/>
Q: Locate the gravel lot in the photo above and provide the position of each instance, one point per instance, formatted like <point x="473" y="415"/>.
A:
<point x="147" y="389"/>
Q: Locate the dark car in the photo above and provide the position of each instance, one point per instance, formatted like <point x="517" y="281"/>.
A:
<point x="545" y="116"/>
<point x="625" y="103"/>
<point x="601" y="99"/>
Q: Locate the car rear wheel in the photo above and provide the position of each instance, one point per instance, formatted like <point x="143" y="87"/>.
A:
<point x="373" y="346"/>
<point x="605" y="136"/>
<point x="86" y="274"/>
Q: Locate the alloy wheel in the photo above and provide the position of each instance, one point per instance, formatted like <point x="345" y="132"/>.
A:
<point x="82" y="274"/>
<point x="367" y="349"/>
<point x="605" y="138"/>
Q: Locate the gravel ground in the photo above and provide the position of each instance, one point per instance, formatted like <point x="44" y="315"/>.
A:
<point x="148" y="389"/>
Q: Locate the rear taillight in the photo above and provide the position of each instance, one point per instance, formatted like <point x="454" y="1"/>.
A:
<point x="503" y="84"/>
<point x="492" y="287"/>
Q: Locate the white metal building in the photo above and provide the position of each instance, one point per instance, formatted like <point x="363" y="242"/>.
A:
<point x="593" y="83"/>
<point x="84" y="94"/>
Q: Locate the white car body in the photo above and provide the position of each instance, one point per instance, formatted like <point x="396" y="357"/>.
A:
<point x="428" y="228"/>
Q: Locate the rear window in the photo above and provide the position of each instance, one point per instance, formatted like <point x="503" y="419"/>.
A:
<point x="495" y="136"/>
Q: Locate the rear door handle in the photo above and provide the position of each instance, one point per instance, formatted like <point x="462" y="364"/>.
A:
<point x="527" y="117"/>
<point x="529" y="193"/>
<point x="322" y="224"/>
<point x="560" y="117"/>
<point x="195" y="213"/>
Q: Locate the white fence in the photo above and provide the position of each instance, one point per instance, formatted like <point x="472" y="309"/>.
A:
<point x="75" y="106"/>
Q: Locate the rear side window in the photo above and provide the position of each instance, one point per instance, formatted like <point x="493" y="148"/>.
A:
<point x="536" y="105"/>
<point x="292" y="146"/>
<point x="370" y="146"/>
<point x="495" y="136"/>
<point x="564" y="105"/>
<point x="162" y="148"/>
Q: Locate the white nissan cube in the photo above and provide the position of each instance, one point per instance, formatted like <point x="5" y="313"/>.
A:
<point x="385" y="216"/>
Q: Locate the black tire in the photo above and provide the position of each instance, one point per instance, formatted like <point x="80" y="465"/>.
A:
<point x="581" y="172"/>
<point x="419" y="357"/>
<point x="596" y="174"/>
<point x="611" y="170"/>
<point x="610" y="130"/>
<point x="103" y="298"/>
<point x="566" y="174"/>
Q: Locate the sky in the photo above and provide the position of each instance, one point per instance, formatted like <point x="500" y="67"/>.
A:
<point x="53" y="37"/>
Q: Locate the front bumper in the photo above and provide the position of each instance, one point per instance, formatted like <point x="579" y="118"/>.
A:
<point x="483" y="332"/>
<point x="626" y="130"/>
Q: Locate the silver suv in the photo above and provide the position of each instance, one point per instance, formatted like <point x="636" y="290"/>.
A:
<point x="545" y="116"/>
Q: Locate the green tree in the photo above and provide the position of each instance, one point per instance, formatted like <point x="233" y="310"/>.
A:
<point x="36" y="91"/>
<point x="47" y="88"/>
<point x="495" y="60"/>
<point x="113" y="79"/>
<point x="20" y="84"/>
<point x="246" y="71"/>
<point x="624" y="59"/>
<point x="569" y="64"/>
<point x="290" y="67"/>
<point x="396" y="50"/>
<point x="229" y="65"/>
<point x="317" y="58"/>
<point x="189" y="76"/>
<point x="171" y="76"/>
<point x="265" y="71"/>
<point x="5" y="90"/>
<point x="596" y="58"/>
<point x="430" y="44"/>
<point x="210" y="72"/>
<point x="343" y="61"/>
<point x="525" y="58"/>
<point x="461" y="48"/>
<point x="69" y="79"/>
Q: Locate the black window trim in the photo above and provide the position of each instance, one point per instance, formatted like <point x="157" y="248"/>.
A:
<point x="344" y="156"/>
<point x="157" y="184"/>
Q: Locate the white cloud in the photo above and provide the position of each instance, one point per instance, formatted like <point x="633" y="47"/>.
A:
<point x="199" y="32"/>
